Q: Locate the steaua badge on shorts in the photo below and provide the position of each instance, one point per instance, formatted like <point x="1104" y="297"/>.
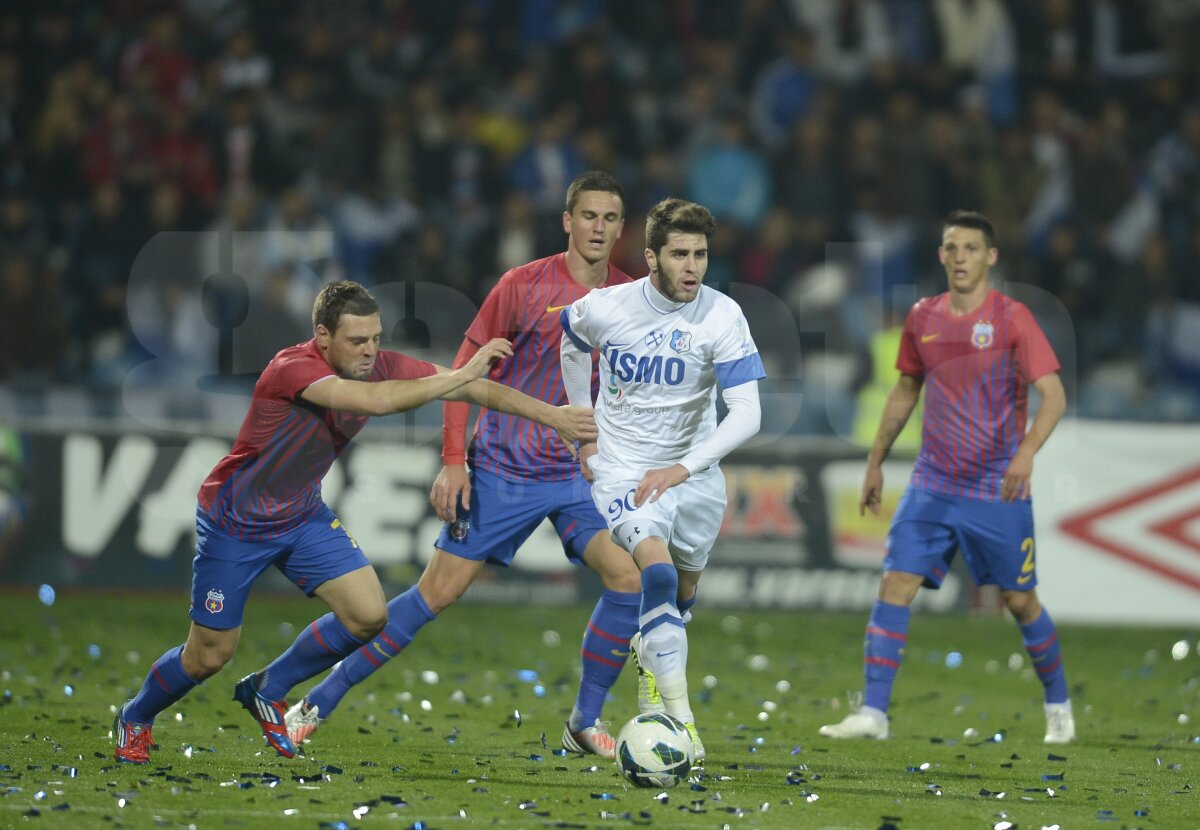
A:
<point x="215" y="602"/>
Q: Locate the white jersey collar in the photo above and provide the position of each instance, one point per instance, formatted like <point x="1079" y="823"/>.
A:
<point x="657" y="301"/>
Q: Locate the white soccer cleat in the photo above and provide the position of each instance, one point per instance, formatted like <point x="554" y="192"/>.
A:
<point x="867" y="722"/>
<point x="697" y="745"/>
<point x="301" y="720"/>
<point x="649" y="698"/>
<point x="594" y="739"/>
<point x="1060" y="723"/>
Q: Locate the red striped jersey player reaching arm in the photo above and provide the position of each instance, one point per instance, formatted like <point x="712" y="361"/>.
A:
<point x="261" y="506"/>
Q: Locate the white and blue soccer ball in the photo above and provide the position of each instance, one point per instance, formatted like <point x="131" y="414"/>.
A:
<point x="654" y="750"/>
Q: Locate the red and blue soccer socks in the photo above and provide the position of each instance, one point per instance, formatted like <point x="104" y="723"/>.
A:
<point x="883" y="650"/>
<point x="615" y="617"/>
<point x="887" y="635"/>
<point x="605" y="650"/>
<point x="407" y="614"/>
<point x="166" y="683"/>
<point x="1041" y="641"/>
<point x="321" y="644"/>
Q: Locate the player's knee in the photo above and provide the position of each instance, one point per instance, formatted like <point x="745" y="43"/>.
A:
<point x="625" y="583"/>
<point x="446" y="578"/>
<point x="899" y="588"/>
<point x="621" y="575"/>
<point x="202" y="661"/>
<point x="439" y="597"/>
<point x="366" y="623"/>
<point x="1023" y="605"/>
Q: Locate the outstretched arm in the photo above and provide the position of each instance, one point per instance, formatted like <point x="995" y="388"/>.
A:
<point x="901" y="402"/>
<point x="1015" y="484"/>
<point x="573" y="423"/>
<point x="388" y="396"/>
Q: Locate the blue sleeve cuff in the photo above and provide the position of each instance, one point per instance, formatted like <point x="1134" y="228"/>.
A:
<point x="575" y="338"/>
<point x="743" y="370"/>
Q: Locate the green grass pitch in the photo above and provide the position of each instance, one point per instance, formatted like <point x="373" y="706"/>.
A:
<point x="451" y="734"/>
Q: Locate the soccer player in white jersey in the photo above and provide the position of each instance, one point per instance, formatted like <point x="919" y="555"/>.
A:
<point x="666" y="343"/>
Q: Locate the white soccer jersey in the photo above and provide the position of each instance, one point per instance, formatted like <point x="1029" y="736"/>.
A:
<point x="661" y="365"/>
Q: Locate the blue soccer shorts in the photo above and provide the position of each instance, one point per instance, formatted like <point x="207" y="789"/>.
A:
<point x="505" y="512"/>
<point x="996" y="538"/>
<point x="311" y="554"/>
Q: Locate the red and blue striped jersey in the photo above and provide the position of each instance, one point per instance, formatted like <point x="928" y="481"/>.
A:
<point x="977" y="369"/>
<point x="524" y="307"/>
<point x="271" y="481"/>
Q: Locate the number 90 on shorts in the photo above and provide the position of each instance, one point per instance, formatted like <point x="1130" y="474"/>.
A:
<point x="618" y="507"/>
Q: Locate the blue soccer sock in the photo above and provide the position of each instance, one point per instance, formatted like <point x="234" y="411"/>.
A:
<point x="660" y="584"/>
<point x="685" y="605"/>
<point x="166" y="683"/>
<point x="1041" y="641"/>
<point x="883" y="651"/>
<point x="407" y="613"/>
<point x="321" y="644"/>
<point x="605" y="650"/>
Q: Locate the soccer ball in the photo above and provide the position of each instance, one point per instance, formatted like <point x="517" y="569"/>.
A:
<point x="654" y="750"/>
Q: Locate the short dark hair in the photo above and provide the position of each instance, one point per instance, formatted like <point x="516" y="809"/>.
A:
<point x="680" y="216"/>
<point x="342" y="297"/>
<point x="971" y="219"/>
<point x="594" y="180"/>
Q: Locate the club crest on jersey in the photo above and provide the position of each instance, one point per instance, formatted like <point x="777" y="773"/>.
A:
<point x="981" y="335"/>
<point x="655" y="338"/>
<point x="681" y="341"/>
<point x="214" y="602"/>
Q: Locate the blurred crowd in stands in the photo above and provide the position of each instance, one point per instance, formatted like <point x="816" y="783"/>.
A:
<point x="178" y="179"/>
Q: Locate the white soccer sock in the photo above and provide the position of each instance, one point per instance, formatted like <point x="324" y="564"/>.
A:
<point x="666" y="650"/>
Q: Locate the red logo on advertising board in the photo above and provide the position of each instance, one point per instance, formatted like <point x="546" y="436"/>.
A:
<point x="1159" y="523"/>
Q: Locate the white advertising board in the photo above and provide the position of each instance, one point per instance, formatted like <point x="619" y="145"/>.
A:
<point x="1117" y="507"/>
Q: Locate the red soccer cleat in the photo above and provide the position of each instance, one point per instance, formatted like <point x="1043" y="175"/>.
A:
<point x="133" y="740"/>
<point x="270" y="714"/>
